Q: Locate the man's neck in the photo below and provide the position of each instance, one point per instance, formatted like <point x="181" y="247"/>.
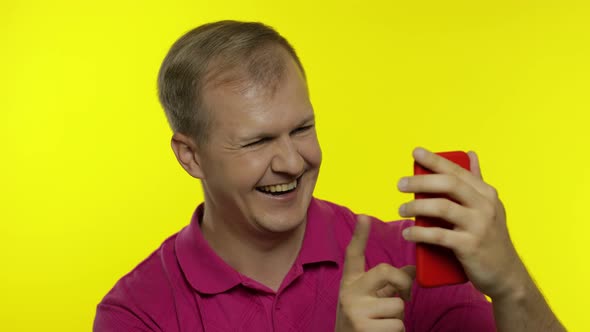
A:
<point x="264" y="257"/>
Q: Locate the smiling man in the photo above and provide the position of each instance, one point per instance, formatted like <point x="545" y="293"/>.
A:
<point x="262" y="254"/>
<point x="258" y="164"/>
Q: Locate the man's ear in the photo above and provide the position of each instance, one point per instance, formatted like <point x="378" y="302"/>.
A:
<point x="187" y="155"/>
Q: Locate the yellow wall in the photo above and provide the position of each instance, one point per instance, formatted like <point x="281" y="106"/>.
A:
<point x="89" y="185"/>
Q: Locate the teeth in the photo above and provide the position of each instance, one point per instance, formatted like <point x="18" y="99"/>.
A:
<point x="279" y="187"/>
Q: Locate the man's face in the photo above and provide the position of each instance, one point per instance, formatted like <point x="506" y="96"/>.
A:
<point x="262" y="159"/>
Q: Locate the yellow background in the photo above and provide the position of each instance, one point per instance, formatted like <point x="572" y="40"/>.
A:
<point x="89" y="184"/>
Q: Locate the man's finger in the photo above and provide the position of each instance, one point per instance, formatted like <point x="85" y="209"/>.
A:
<point x="387" y="325"/>
<point x="410" y="270"/>
<point x="474" y="164"/>
<point x="389" y="290"/>
<point x="439" y="208"/>
<point x="447" y="238"/>
<point x="391" y="307"/>
<point x="384" y="274"/>
<point x="354" y="261"/>
<point x="441" y="165"/>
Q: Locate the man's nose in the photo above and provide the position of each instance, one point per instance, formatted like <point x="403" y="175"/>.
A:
<point x="287" y="158"/>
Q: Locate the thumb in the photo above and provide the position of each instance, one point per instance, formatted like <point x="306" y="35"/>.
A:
<point x="410" y="270"/>
<point x="354" y="261"/>
<point x="474" y="164"/>
<point x="406" y="294"/>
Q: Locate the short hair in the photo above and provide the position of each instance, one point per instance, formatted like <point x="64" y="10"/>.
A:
<point x="203" y="55"/>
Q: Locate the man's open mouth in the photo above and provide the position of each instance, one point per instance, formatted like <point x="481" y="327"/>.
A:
<point x="279" y="189"/>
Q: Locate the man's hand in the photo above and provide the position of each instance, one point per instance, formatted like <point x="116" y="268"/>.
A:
<point x="480" y="237"/>
<point x="366" y="301"/>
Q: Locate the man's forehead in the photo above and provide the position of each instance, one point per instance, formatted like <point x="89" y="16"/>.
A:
<point x="236" y="87"/>
<point x="239" y="84"/>
<point x="237" y="94"/>
<point x="253" y="111"/>
<point x="246" y="104"/>
<point x="260" y="72"/>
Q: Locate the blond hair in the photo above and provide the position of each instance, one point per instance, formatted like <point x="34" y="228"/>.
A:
<point x="203" y="55"/>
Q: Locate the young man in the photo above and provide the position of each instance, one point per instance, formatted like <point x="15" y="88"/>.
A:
<point x="261" y="254"/>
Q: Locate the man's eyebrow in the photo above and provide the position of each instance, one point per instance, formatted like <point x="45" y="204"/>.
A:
<point x="245" y="138"/>
<point x="309" y="118"/>
<point x="306" y="120"/>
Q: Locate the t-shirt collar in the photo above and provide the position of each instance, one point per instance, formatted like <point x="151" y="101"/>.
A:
<point x="319" y="241"/>
<point x="208" y="273"/>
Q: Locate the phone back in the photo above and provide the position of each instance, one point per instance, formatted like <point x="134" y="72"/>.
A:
<point x="436" y="265"/>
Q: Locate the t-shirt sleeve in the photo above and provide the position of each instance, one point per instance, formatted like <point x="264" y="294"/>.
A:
<point x="136" y="303"/>
<point x="114" y="318"/>
<point x="449" y="308"/>
<point x="441" y="309"/>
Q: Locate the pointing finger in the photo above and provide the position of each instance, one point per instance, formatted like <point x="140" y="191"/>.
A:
<point x="354" y="261"/>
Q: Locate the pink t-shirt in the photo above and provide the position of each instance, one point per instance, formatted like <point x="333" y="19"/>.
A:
<point x="185" y="286"/>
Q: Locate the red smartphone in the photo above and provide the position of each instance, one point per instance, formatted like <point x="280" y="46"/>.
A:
<point x="435" y="265"/>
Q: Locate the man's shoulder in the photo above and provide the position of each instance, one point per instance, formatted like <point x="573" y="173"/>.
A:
<point x="331" y="210"/>
<point x="385" y="244"/>
<point x="344" y="214"/>
<point x="147" y="290"/>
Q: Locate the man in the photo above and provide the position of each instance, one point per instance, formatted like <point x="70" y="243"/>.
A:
<point x="262" y="254"/>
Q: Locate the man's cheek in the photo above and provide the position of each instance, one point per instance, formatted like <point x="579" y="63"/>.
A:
<point x="251" y="169"/>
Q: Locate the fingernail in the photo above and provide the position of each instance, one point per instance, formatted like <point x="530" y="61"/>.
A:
<point x="402" y="210"/>
<point x="419" y="152"/>
<point x="405" y="233"/>
<point x="402" y="184"/>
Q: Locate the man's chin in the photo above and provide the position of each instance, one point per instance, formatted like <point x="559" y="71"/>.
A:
<point x="280" y="217"/>
<point x="283" y="222"/>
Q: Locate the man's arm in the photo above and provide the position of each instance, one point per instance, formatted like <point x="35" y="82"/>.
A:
<point x="479" y="239"/>
<point x="524" y="308"/>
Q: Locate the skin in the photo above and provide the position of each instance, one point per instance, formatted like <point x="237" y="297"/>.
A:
<point x="256" y="139"/>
